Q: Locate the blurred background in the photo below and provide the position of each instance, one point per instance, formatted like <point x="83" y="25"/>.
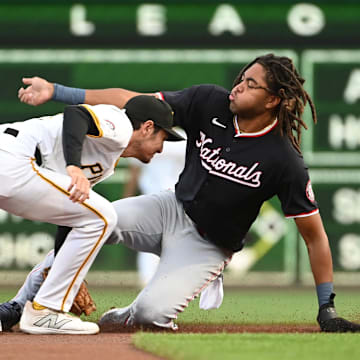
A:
<point x="169" y="45"/>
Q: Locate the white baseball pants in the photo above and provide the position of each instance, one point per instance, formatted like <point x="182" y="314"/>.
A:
<point x="41" y="195"/>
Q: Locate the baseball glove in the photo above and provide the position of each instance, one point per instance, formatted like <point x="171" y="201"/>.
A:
<point x="330" y="321"/>
<point x="83" y="303"/>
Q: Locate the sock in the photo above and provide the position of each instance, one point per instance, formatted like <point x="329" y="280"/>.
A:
<point x="37" y="306"/>
<point x="324" y="291"/>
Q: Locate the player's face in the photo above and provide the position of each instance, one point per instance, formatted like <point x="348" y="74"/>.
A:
<point x="249" y="97"/>
<point x="151" y="144"/>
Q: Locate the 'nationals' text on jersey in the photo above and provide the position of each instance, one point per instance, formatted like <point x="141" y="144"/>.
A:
<point x="228" y="175"/>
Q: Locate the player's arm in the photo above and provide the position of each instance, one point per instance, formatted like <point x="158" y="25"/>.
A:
<point x="38" y="91"/>
<point x="313" y="232"/>
<point x="76" y="124"/>
<point x="298" y="202"/>
<point x="314" y="235"/>
<point x="115" y="96"/>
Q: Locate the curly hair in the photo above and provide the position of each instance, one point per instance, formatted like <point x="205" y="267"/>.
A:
<point x="284" y="81"/>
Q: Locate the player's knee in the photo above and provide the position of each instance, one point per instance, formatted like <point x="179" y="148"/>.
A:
<point x="106" y="219"/>
<point x="110" y="219"/>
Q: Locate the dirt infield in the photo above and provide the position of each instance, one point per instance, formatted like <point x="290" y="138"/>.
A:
<point x="17" y="345"/>
<point x="224" y="328"/>
<point x="115" y="343"/>
<point x="236" y="328"/>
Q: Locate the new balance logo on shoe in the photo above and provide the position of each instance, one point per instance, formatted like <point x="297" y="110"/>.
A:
<point x="217" y="123"/>
<point x="47" y="321"/>
<point x="52" y="322"/>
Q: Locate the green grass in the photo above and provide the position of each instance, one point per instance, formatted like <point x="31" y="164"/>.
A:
<point x="250" y="346"/>
<point x="244" y="306"/>
<point x="241" y="306"/>
<point x="249" y="306"/>
<point x="272" y="306"/>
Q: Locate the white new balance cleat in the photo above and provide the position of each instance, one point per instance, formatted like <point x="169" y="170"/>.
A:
<point x="49" y="321"/>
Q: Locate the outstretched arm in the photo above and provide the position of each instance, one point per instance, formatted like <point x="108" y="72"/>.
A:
<point x="115" y="96"/>
<point x="39" y="91"/>
<point x="312" y="230"/>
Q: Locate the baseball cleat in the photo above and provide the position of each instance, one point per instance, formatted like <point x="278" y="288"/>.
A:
<point x="114" y="319"/>
<point x="49" y="321"/>
<point x="10" y="314"/>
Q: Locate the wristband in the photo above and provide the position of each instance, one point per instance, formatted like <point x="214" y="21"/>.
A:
<point x="68" y="95"/>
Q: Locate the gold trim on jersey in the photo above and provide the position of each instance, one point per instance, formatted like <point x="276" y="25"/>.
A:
<point x="96" y="212"/>
<point x="96" y="121"/>
<point x="117" y="161"/>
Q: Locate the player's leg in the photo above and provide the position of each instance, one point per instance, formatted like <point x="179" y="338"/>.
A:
<point x="60" y="236"/>
<point x="147" y="264"/>
<point x="188" y="264"/>
<point x="139" y="216"/>
<point x="140" y="226"/>
<point x="128" y="211"/>
<point x="186" y="268"/>
<point x="33" y="281"/>
<point x="139" y="223"/>
<point x="35" y="277"/>
<point x="42" y="195"/>
<point x="10" y="311"/>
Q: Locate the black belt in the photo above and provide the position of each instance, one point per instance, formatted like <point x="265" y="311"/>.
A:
<point x="11" y="131"/>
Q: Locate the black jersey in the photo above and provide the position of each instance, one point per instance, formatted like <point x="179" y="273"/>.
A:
<point x="228" y="175"/>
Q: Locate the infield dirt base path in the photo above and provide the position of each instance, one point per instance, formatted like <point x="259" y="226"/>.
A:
<point x="16" y="345"/>
<point x="113" y="345"/>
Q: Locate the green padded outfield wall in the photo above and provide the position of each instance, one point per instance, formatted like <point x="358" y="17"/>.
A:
<point x="168" y="45"/>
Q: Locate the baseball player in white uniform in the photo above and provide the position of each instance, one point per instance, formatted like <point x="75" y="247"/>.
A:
<point x="78" y="148"/>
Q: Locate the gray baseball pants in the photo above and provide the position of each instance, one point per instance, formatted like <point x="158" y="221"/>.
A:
<point x="158" y="224"/>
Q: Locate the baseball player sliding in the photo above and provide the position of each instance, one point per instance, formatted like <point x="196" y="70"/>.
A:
<point x="78" y="149"/>
<point x="243" y="148"/>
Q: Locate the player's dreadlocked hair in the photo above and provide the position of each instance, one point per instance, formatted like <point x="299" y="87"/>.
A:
<point x="284" y="81"/>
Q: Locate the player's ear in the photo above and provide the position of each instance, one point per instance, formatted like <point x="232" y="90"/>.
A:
<point x="272" y="102"/>
<point x="147" y="127"/>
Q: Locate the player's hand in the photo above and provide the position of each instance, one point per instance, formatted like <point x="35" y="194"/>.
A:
<point x="80" y="186"/>
<point x="37" y="92"/>
<point x="329" y="320"/>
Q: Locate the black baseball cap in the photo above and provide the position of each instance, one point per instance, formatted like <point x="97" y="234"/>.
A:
<point x="146" y="107"/>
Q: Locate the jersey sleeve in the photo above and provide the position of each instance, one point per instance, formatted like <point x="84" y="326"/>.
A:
<point x="295" y="191"/>
<point x="77" y="123"/>
<point x="112" y="124"/>
<point x="185" y="102"/>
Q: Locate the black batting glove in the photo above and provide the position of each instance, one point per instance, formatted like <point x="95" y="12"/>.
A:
<point x="330" y="321"/>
